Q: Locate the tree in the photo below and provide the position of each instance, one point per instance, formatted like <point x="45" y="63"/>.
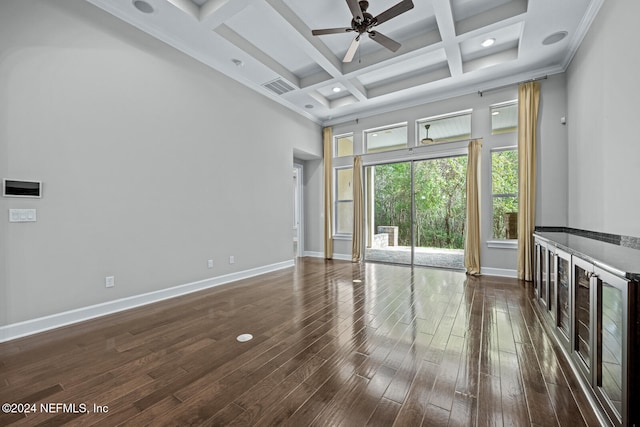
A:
<point x="439" y="191"/>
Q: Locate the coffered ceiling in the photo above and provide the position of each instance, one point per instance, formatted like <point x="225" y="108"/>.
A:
<point x="268" y="46"/>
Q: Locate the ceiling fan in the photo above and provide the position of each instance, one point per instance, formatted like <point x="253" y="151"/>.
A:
<point x="363" y="22"/>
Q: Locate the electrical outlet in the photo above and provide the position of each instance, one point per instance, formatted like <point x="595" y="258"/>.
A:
<point x="210" y="263"/>
<point x="109" y="281"/>
<point x="232" y="259"/>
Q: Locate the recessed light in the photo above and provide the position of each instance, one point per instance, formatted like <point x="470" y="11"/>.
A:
<point x="488" y="42"/>
<point x="375" y="134"/>
<point x="308" y="106"/>
<point x="495" y="113"/>
<point x="336" y="89"/>
<point x="143" y="6"/>
<point x="554" y="38"/>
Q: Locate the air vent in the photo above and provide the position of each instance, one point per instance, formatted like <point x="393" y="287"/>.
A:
<point x="278" y="86"/>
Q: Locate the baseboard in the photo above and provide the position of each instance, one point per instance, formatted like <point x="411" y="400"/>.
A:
<point x="41" y="324"/>
<point x="342" y="257"/>
<point x="314" y="254"/>
<point x="502" y="272"/>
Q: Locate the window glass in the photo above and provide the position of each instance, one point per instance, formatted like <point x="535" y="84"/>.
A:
<point x="344" y="146"/>
<point x="454" y="127"/>
<point x="344" y="201"/>
<point x="504" y="117"/>
<point x="504" y="179"/>
<point x="386" y="139"/>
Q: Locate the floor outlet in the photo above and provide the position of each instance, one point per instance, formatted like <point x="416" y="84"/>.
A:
<point x="109" y="281"/>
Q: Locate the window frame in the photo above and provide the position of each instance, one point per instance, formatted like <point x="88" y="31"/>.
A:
<point x="337" y="202"/>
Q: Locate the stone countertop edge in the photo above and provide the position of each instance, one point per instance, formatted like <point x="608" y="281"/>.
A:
<point x="618" y="260"/>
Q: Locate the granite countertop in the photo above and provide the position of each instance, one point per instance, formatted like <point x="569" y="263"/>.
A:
<point x="620" y="260"/>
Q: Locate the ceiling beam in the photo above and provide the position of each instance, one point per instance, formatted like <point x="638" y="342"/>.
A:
<point x="216" y="12"/>
<point x="250" y="49"/>
<point x="446" y="24"/>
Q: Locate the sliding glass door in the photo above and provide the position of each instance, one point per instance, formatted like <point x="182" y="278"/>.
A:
<point x="388" y="210"/>
<point x="439" y="212"/>
<point x="415" y="212"/>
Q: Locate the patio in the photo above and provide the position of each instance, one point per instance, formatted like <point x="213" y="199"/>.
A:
<point x="430" y="257"/>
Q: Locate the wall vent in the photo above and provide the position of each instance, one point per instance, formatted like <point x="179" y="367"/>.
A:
<point x="278" y="86"/>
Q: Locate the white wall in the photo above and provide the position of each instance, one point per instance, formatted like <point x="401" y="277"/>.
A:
<point x="551" y="203"/>
<point x="603" y="123"/>
<point x="152" y="163"/>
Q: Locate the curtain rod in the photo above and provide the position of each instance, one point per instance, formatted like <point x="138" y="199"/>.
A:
<point x="480" y="92"/>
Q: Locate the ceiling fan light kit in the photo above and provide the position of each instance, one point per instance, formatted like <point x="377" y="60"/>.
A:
<point x="364" y="22"/>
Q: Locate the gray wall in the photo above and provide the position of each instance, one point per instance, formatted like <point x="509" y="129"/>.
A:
<point x="603" y="123"/>
<point x="552" y="156"/>
<point x="152" y="163"/>
<point x="314" y="210"/>
<point x="551" y="184"/>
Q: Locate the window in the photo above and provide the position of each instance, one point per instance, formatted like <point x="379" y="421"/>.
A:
<point x="504" y="179"/>
<point x="386" y="139"/>
<point x="343" y="201"/>
<point x="445" y="128"/>
<point x="504" y="117"/>
<point x="343" y="145"/>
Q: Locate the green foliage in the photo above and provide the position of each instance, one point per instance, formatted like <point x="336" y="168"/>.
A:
<point x="440" y="201"/>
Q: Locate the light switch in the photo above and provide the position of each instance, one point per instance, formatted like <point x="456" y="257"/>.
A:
<point x="22" y="215"/>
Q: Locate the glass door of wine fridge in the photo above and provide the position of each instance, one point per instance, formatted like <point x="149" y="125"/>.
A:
<point x="611" y="342"/>
<point x="582" y="315"/>
<point x="542" y="274"/>
<point x="563" y="285"/>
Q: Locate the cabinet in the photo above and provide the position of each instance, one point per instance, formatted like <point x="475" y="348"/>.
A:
<point x="591" y="309"/>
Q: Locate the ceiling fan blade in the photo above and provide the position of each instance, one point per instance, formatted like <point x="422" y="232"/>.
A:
<point x="331" y="31"/>
<point x="352" y="50"/>
<point x="356" y="11"/>
<point x="385" y="41"/>
<point x="394" y="11"/>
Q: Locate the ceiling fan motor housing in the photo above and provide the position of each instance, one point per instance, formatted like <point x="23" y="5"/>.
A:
<point x="368" y="20"/>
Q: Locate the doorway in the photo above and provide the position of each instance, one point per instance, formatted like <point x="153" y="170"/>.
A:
<point x="298" y="225"/>
<point x="416" y="212"/>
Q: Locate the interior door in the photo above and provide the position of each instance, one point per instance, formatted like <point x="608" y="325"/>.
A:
<point x="297" y="212"/>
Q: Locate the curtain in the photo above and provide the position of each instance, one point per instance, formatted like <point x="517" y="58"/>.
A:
<point x="528" y="101"/>
<point x="327" y="137"/>
<point x="472" y="234"/>
<point x="356" y="245"/>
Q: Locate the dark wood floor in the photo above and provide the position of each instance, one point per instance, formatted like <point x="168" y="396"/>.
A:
<point x="404" y="347"/>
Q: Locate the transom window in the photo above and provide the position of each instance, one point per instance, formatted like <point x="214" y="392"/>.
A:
<point x="444" y="128"/>
<point x="386" y="139"/>
<point x="504" y="117"/>
<point x="343" y="145"/>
